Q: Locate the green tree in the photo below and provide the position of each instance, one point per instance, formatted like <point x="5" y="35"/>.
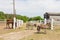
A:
<point x="2" y="16"/>
<point x="20" y="17"/>
<point x="35" y="18"/>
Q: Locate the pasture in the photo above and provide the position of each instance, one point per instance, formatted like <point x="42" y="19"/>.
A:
<point x="3" y="29"/>
<point x="50" y="34"/>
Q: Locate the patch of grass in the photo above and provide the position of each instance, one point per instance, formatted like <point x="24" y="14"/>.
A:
<point x="4" y="31"/>
<point x="50" y="35"/>
<point x="33" y="37"/>
<point x="1" y="39"/>
<point x="57" y="29"/>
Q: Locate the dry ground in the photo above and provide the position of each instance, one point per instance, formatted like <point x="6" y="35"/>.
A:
<point x="10" y="34"/>
<point x="50" y="35"/>
<point x="4" y="31"/>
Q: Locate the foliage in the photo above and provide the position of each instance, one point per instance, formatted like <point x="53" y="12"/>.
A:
<point x="35" y="18"/>
<point x="2" y="16"/>
<point x="24" y="18"/>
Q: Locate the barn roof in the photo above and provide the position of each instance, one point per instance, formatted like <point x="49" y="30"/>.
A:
<point x="53" y="14"/>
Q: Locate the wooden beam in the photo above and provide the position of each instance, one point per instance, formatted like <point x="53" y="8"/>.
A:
<point x="54" y="14"/>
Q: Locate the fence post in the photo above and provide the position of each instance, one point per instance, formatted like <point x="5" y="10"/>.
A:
<point x="52" y="23"/>
<point x="45" y="21"/>
<point x="14" y="23"/>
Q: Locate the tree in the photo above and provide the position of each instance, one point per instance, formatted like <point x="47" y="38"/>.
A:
<point x="30" y="19"/>
<point x="35" y="18"/>
<point x="20" y="17"/>
<point x="2" y="16"/>
<point x="24" y="18"/>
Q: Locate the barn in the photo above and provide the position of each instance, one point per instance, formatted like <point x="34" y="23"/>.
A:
<point x="55" y="16"/>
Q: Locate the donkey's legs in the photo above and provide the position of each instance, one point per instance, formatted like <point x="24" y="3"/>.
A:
<point x="38" y="29"/>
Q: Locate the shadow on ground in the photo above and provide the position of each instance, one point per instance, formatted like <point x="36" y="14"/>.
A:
<point x="39" y="33"/>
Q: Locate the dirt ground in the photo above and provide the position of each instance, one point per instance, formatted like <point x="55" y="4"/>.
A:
<point x="31" y="34"/>
<point x="50" y="35"/>
<point x="2" y="25"/>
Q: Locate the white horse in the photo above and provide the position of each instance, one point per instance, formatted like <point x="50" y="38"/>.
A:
<point x="30" y="25"/>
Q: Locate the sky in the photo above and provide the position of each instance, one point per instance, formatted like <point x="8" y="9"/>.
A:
<point x="30" y="8"/>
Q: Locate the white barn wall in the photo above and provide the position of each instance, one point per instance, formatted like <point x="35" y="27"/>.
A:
<point x="56" y="19"/>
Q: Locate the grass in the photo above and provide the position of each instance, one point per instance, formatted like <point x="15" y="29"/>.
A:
<point x="4" y="31"/>
<point x="1" y="39"/>
<point x="51" y="35"/>
<point x="33" y="37"/>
